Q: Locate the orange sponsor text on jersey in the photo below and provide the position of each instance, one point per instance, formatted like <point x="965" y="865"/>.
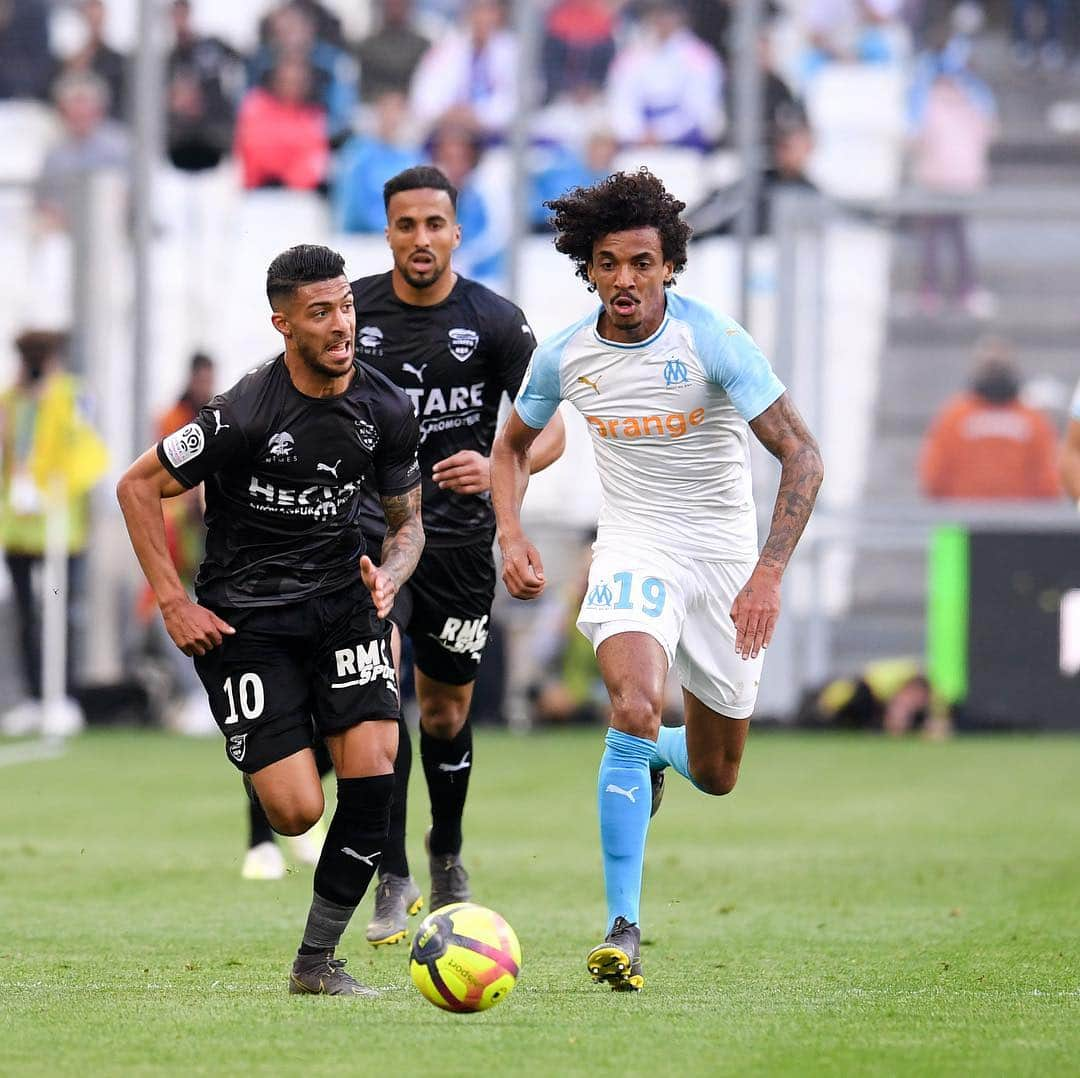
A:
<point x="673" y="424"/>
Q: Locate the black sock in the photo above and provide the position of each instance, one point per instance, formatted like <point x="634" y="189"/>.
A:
<point x="394" y="859"/>
<point x="259" y="829"/>
<point x="349" y="858"/>
<point x="447" y="766"/>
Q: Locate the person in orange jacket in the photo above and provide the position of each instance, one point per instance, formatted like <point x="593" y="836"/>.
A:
<point x="985" y="443"/>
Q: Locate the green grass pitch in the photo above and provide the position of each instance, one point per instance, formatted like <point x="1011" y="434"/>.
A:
<point x="857" y="906"/>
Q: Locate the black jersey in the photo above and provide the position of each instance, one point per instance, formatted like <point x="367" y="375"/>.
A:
<point x="455" y="360"/>
<point x="284" y="475"/>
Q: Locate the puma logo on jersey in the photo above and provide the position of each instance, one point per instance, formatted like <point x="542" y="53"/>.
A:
<point x="592" y="383"/>
<point x="331" y="468"/>
<point x="368" y="859"/>
<point x="628" y="794"/>
<point x="462" y="765"/>
<point x="219" y="426"/>
<point x="417" y="372"/>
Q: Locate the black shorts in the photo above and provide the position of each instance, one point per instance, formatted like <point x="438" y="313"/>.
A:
<point x="322" y="664"/>
<point x="445" y="607"/>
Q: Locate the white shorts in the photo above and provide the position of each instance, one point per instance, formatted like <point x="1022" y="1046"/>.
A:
<point x="685" y="606"/>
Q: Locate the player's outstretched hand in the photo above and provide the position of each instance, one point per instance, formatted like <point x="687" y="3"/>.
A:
<point x="755" y="611"/>
<point x="194" y="629"/>
<point x="380" y="583"/>
<point x="523" y="571"/>
<point x="467" y="472"/>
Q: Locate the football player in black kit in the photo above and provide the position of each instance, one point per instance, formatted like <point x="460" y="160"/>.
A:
<point x="455" y="347"/>
<point x="287" y="633"/>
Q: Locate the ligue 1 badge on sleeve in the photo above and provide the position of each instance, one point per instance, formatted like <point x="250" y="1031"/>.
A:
<point x="184" y="445"/>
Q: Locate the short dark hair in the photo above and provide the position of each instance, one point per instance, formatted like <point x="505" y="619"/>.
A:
<point x="200" y="361"/>
<point x="413" y="179"/>
<point x="623" y="201"/>
<point x="38" y="346"/>
<point x="301" y="265"/>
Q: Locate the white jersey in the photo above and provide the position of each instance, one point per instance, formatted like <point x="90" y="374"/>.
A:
<point x="668" y="418"/>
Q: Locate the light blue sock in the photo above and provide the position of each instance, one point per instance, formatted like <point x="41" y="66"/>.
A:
<point x="671" y="751"/>
<point x="625" y="799"/>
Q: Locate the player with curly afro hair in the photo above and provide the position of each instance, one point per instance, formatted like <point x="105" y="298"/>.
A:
<point x="622" y="202"/>
<point x="670" y="390"/>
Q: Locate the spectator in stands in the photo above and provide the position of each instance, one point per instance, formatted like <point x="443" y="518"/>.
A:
<point x="481" y="213"/>
<point x="25" y="62"/>
<point x="326" y="24"/>
<point x="366" y="162"/>
<point x="563" y="168"/>
<point x="985" y="443"/>
<point x="781" y="108"/>
<point x="712" y="21"/>
<point x="953" y="119"/>
<point x="281" y="138"/>
<point x="195" y="396"/>
<point x="389" y="56"/>
<point x="44" y="438"/>
<point x="665" y="88"/>
<point x="293" y="35"/>
<point x="91" y="141"/>
<point x="205" y="81"/>
<point x="468" y="78"/>
<point x="852" y="31"/>
<point x="90" y="53"/>
<point x="1037" y="29"/>
<point x="793" y="143"/>
<point x="579" y="45"/>
<point x="568" y="120"/>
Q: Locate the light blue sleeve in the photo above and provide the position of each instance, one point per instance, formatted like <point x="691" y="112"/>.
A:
<point x="541" y="387"/>
<point x="731" y="359"/>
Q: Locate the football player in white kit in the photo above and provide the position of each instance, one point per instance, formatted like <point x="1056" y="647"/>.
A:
<point x="667" y="387"/>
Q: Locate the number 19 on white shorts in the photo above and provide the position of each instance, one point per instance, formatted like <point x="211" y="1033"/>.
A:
<point x="685" y="606"/>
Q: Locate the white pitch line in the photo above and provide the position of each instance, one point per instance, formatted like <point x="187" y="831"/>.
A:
<point x="28" y="752"/>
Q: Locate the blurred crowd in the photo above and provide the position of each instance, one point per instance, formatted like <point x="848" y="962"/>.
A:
<point x="308" y="108"/>
<point x="440" y="80"/>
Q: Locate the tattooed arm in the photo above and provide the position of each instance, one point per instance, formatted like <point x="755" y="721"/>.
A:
<point x="781" y="430"/>
<point x="401" y="549"/>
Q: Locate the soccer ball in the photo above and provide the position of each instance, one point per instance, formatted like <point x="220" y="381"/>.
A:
<point x="465" y="958"/>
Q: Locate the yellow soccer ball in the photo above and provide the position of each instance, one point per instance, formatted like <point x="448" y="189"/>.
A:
<point x="465" y="958"/>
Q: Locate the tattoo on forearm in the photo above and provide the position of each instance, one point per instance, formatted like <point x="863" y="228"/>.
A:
<point x="781" y="430"/>
<point x="404" y="540"/>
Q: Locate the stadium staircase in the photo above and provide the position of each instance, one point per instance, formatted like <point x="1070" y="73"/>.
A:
<point x="1029" y="266"/>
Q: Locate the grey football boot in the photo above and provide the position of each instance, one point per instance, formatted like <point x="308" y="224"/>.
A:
<point x="397" y="898"/>
<point x="449" y="880"/>
<point x="324" y="975"/>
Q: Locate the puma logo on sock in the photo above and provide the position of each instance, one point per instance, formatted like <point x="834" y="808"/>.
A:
<point x="368" y="860"/>
<point x="460" y="766"/>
